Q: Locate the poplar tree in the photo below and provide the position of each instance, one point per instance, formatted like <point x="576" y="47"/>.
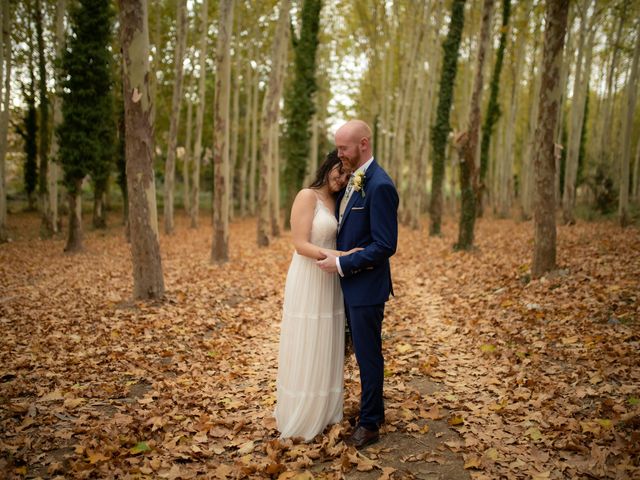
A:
<point x="85" y="134"/>
<point x="442" y="127"/>
<point x="299" y="105"/>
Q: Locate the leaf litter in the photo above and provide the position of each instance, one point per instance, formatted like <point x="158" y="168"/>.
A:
<point x="537" y="378"/>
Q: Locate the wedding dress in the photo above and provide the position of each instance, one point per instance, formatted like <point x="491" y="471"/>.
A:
<point x="310" y="365"/>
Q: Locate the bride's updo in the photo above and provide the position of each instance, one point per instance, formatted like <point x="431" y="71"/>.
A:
<point x="322" y="174"/>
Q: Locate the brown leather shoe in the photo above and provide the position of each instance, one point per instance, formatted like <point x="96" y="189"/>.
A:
<point x="362" y="437"/>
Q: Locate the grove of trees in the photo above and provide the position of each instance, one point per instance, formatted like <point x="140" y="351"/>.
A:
<point x="514" y="108"/>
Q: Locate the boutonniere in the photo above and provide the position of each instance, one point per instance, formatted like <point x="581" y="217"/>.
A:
<point x="358" y="182"/>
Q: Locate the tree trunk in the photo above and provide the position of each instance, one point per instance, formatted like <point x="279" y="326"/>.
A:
<point x="197" y="149"/>
<point x="468" y="174"/>
<point x="493" y="109"/>
<point x="188" y="149"/>
<point x="255" y="119"/>
<point x="54" y="167"/>
<point x="46" y="226"/>
<point x="526" y="169"/>
<point x="270" y="110"/>
<point x="580" y="86"/>
<point x="170" y="165"/>
<point x="506" y="185"/>
<point x="74" y="240"/>
<point x="5" y="102"/>
<point x="233" y="153"/>
<point x="632" y="88"/>
<point x="246" y="144"/>
<point x="143" y="220"/>
<point x="442" y="127"/>
<point x="544" y="249"/>
<point x="220" y="246"/>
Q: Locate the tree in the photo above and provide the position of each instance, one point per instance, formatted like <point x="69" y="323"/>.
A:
<point x="46" y="226"/>
<point x="544" y="249"/>
<point x="442" y="127"/>
<point x="299" y="106"/>
<point x="54" y="167"/>
<point x="579" y="97"/>
<point x="270" y="112"/>
<point x="170" y="165"/>
<point x="29" y="134"/>
<point x="220" y="245"/>
<point x="5" y="101"/>
<point x="83" y="135"/>
<point x="148" y="281"/>
<point x="468" y="175"/>
<point x="493" y="108"/>
<point x="632" y="88"/>
<point x="197" y="149"/>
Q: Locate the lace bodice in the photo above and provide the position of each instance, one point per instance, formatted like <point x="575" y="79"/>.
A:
<point x="324" y="227"/>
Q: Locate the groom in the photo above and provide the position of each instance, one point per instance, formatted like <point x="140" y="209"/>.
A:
<point x="367" y="218"/>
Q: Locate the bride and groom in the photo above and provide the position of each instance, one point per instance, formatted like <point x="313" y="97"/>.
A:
<point x="344" y="233"/>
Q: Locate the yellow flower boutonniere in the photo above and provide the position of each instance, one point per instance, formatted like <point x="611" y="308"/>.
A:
<point x="358" y="182"/>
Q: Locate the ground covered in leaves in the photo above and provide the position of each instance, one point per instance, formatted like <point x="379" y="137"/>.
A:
<point x="489" y="374"/>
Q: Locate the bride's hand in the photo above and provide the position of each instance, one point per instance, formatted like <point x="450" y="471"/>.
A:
<point x="353" y="250"/>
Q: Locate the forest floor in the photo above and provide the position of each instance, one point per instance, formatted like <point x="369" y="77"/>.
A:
<point x="489" y="374"/>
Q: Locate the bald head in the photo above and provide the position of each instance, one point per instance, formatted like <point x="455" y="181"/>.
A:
<point x="353" y="141"/>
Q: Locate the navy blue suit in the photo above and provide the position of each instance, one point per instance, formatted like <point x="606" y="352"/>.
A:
<point x="369" y="222"/>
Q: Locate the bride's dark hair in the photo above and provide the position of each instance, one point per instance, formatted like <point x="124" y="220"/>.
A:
<point x="322" y="174"/>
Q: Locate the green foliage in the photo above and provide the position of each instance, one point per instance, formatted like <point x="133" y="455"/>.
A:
<point x="440" y="131"/>
<point x="493" y="108"/>
<point x="299" y="98"/>
<point x="86" y="135"/>
<point x="29" y="133"/>
<point x="583" y="142"/>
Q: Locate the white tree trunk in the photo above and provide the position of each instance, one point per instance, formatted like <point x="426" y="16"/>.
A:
<point x="197" y="149"/>
<point x="170" y="164"/>
<point x="187" y="158"/>
<point x="270" y="115"/>
<point x="220" y="244"/>
<point x="632" y="89"/>
<point x="580" y="85"/>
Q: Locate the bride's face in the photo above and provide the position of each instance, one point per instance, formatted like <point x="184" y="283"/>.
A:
<point x="337" y="178"/>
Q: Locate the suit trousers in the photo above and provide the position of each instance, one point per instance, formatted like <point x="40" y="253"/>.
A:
<point x="365" y="323"/>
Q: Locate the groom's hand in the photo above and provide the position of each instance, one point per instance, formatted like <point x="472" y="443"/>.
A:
<point x="328" y="263"/>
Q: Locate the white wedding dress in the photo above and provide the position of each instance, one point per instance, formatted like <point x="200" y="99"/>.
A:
<point x="311" y="360"/>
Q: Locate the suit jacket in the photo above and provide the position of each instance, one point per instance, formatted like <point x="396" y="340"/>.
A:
<point x="369" y="222"/>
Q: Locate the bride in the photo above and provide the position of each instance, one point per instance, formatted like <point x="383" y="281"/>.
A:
<point x="310" y="364"/>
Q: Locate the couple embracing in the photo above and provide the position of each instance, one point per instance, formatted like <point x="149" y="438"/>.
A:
<point x="344" y="228"/>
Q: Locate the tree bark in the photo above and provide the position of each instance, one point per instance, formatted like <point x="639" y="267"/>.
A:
<point x="74" y="240"/>
<point x="170" y="164"/>
<point x="143" y="220"/>
<point x="442" y="127"/>
<point x="270" y="110"/>
<point x="5" y="103"/>
<point x="526" y="169"/>
<point x="197" y="149"/>
<point x="233" y="152"/>
<point x="220" y="246"/>
<point x="632" y="89"/>
<point x="580" y="86"/>
<point x="505" y="190"/>
<point x="253" y="161"/>
<point x="246" y="144"/>
<point x="544" y="249"/>
<point x="54" y="167"/>
<point x="468" y="173"/>
<point x="188" y="150"/>
<point x="46" y="225"/>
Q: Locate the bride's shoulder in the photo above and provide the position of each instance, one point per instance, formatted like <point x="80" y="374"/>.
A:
<point x="307" y="195"/>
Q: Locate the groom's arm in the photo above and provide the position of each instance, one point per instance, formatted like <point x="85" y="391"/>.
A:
<point x="384" y="232"/>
